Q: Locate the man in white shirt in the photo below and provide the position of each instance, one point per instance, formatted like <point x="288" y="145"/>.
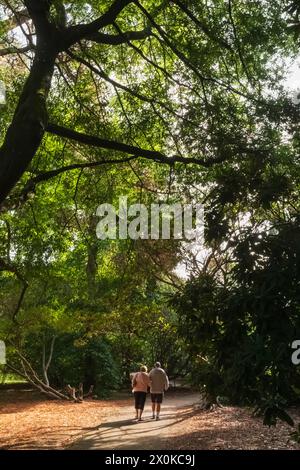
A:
<point x="159" y="383"/>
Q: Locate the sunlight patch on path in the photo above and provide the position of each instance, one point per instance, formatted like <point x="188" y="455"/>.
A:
<point x="120" y="432"/>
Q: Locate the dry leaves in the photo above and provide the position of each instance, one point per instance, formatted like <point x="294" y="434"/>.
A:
<point x="230" y="428"/>
<point x="29" y="421"/>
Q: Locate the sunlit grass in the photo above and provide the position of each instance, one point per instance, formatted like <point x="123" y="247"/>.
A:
<point x="10" y="379"/>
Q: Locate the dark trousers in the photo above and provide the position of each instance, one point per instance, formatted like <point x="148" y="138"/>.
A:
<point x="139" y="398"/>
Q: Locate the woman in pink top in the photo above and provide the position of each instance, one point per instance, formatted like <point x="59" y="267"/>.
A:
<point x="140" y="384"/>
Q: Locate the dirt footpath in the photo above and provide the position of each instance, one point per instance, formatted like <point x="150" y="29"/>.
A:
<point x="121" y="432"/>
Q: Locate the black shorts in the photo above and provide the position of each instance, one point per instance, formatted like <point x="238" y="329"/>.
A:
<point x="139" y="398"/>
<point x="157" y="397"/>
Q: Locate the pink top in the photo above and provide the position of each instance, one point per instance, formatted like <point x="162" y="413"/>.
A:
<point x="140" y="382"/>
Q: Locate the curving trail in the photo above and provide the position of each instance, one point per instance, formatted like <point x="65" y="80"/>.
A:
<point x="119" y="432"/>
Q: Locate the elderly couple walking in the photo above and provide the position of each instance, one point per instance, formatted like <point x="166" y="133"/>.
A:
<point x="158" y="382"/>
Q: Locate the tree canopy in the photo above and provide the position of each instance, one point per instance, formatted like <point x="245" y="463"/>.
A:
<point x="178" y="100"/>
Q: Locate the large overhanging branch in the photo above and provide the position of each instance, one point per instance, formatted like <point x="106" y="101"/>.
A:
<point x="153" y="155"/>
<point x="27" y="128"/>
<point x="30" y="120"/>
<point x="83" y="31"/>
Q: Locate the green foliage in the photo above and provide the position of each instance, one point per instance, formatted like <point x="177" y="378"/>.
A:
<point x="211" y="88"/>
<point x="240" y="332"/>
<point x="91" y="363"/>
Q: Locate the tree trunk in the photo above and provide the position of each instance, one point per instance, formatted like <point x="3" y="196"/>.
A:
<point x="26" y="131"/>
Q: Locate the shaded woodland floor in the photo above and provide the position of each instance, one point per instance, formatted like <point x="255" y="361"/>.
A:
<point x="230" y="428"/>
<point x="29" y="421"/>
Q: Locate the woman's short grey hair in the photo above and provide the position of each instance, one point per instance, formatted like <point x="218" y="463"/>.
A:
<point x="143" y="369"/>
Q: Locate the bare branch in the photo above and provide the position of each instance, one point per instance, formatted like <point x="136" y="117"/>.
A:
<point x="47" y="365"/>
<point x="51" y="352"/>
<point x="35" y="380"/>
